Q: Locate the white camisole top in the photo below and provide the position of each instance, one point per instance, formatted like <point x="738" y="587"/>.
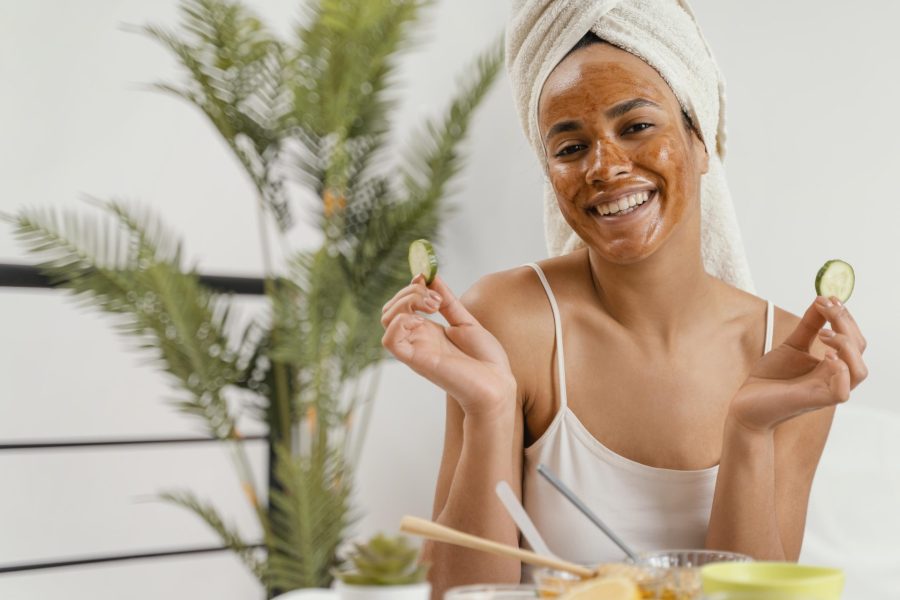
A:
<point x="648" y="507"/>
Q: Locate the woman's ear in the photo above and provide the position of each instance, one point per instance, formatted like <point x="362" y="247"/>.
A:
<point x="700" y="153"/>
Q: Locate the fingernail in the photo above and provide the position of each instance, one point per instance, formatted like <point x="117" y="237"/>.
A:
<point x="435" y="297"/>
<point x="831" y="356"/>
<point x="823" y="301"/>
<point x="836" y="301"/>
<point x="826" y="333"/>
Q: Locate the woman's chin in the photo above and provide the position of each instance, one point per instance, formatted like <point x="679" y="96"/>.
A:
<point x="622" y="253"/>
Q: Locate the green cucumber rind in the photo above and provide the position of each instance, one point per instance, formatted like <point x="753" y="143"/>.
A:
<point x="430" y="257"/>
<point x="835" y="263"/>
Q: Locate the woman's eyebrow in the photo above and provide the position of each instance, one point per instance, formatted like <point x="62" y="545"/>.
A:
<point x="562" y="127"/>
<point x="623" y="107"/>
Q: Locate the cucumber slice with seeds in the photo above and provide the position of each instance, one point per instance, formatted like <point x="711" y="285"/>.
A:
<point x="423" y="260"/>
<point x="835" y="278"/>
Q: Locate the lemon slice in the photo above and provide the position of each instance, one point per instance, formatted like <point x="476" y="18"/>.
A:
<point x="608" y="588"/>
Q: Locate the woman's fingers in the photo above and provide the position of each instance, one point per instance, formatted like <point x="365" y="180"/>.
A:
<point x="416" y="298"/>
<point x="452" y="309"/>
<point x="396" y="337"/>
<point x="841" y="320"/>
<point x="805" y="332"/>
<point x="835" y="381"/>
<point x="417" y="284"/>
<point x="848" y="350"/>
<point x="826" y="385"/>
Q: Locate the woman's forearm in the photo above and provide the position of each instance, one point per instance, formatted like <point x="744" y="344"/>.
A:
<point x="472" y="506"/>
<point x="743" y="517"/>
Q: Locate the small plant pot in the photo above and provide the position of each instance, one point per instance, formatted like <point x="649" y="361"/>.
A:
<point x="415" y="591"/>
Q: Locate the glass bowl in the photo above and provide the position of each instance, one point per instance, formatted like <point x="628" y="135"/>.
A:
<point x="680" y="571"/>
<point x="551" y="583"/>
<point x="667" y="559"/>
<point x="491" y="592"/>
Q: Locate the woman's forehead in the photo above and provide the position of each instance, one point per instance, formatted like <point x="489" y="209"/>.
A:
<point x="597" y="77"/>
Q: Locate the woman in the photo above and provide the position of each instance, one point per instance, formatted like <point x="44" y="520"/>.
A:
<point x="686" y="411"/>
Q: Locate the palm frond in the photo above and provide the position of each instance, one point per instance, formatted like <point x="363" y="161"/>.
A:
<point x="311" y="313"/>
<point x="345" y="62"/>
<point x="236" y="77"/>
<point x="228" y="534"/>
<point x="380" y="231"/>
<point x="127" y="264"/>
<point x="310" y="516"/>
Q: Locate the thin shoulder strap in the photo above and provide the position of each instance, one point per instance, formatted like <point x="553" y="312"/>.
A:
<point x="770" y="326"/>
<point x="557" y="322"/>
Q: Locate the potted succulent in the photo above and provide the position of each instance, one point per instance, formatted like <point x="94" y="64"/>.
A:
<point x="385" y="568"/>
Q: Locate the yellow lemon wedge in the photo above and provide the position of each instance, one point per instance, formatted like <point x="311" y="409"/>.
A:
<point x="607" y="588"/>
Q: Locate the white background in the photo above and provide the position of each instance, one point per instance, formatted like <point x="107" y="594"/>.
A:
<point x="813" y="157"/>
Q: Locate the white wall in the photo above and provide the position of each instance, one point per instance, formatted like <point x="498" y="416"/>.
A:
<point x="812" y="88"/>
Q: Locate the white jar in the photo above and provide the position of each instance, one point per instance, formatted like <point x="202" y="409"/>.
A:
<point x="415" y="591"/>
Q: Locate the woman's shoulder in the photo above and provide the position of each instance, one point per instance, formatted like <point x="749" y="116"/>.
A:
<point x="513" y="306"/>
<point x="505" y="299"/>
<point x="751" y="305"/>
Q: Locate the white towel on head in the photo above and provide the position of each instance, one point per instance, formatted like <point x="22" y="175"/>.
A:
<point x="666" y="36"/>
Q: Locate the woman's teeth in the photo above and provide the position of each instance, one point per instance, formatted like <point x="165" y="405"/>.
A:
<point x="623" y="204"/>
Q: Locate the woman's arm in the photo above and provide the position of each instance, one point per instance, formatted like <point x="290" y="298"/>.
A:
<point x="775" y="433"/>
<point x="762" y="491"/>
<point x="478" y="452"/>
<point x="484" y="428"/>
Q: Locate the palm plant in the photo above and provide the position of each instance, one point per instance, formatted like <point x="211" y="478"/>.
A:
<point x="311" y="111"/>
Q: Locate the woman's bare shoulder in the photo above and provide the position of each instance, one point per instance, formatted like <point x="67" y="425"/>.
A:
<point x="513" y="306"/>
<point x="784" y="321"/>
<point x="506" y="301"/>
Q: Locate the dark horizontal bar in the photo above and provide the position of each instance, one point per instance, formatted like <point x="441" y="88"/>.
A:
<point x="93" y="560"/>
<point x="89" y="443"/>
<point x="29" y="276"/>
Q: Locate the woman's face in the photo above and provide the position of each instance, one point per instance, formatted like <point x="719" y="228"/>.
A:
<point x="625" y="168"/>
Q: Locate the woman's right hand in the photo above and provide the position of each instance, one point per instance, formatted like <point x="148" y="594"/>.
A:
<point x="463" y="358"/>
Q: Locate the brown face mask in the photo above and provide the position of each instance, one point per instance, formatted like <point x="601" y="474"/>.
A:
<point x="625" y="167"/>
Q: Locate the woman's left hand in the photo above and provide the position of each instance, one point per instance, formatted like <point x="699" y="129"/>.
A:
<point x="790" y="380"/>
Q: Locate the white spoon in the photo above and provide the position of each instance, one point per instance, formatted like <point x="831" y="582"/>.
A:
<point x="523" y="521"/>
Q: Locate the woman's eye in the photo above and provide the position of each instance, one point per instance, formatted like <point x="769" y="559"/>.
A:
<point x="638" y="127"/>
<point x="570" y="149"/>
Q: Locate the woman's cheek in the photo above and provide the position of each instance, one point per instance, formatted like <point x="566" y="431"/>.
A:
<point x="565" y="183"/>
<point x="656" y="152"/>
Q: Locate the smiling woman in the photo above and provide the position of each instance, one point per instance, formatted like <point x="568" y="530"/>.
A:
<point x="679" y="406"/>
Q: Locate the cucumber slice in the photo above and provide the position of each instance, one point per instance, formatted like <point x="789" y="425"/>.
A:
<point x="835" y="278"/>
<point x="423" y="260"/>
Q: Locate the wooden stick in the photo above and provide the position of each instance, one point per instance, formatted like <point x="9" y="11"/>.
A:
<point x="440" y="533"/>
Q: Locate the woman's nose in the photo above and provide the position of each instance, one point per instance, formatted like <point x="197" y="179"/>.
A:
<point x="608" y="162"/>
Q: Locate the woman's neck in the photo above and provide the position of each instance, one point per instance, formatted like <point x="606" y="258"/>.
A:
<point x="659" y="296"/>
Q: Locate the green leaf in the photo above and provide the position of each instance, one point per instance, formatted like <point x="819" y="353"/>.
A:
<point x="310" y="516"/>
<point x="228" y="534"/>
<point x="127" y="264"/>
<point x="236" y="71"/>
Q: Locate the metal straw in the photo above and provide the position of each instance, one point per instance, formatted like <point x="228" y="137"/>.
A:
<point x="571" y="497"/>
